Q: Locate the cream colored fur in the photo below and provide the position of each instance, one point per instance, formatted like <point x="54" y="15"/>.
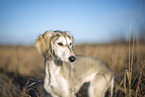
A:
<point x="66" y="72"/>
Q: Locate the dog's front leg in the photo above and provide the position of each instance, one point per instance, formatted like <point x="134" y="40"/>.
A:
<point x="71" y="91"/>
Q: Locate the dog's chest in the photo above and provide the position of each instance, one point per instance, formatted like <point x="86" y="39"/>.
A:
<point x="58" y="83"/>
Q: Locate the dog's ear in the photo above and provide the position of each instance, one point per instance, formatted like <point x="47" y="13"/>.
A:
<point x="43" y="43"/>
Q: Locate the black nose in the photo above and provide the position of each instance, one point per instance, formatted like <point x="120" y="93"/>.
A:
<point x="72" y="58"/>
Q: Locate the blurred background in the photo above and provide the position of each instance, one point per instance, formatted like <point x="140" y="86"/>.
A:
<point x="100" y="29"/>
<point x="92" y="21"/>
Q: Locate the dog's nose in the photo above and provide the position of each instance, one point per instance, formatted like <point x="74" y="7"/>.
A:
<point x="72" y="58"/>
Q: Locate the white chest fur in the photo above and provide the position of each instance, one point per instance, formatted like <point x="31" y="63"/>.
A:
<point x="54" y="82"/>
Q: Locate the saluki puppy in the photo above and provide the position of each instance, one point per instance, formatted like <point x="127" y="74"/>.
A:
<point x="66" y="72"/>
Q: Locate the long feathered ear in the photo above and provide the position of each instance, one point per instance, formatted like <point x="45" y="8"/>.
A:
<point x="43" y="43"/>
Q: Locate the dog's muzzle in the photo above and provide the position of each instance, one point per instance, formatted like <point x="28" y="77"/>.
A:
<point x="72" y="58"/>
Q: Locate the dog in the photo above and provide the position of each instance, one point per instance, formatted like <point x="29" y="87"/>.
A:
<point x="66" y="72"/>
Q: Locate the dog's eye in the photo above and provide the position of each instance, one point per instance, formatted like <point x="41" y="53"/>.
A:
<point x="70" y="44"/>
<point x="60" y="44"/>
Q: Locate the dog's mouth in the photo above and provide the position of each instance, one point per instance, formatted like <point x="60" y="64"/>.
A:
<point x="70" y="59"/>
<point x="59" y="62"/>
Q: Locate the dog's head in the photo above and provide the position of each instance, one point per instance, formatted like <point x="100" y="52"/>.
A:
<point x="56" y="44"/>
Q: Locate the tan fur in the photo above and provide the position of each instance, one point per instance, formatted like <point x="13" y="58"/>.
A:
<point x="43" y="42"/>
<point x="63" y="77"/>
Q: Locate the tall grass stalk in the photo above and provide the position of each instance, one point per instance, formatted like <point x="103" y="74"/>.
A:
<point x="129" y="74"/>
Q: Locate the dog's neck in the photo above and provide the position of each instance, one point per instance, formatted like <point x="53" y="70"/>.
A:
<point x="57" y="60"/>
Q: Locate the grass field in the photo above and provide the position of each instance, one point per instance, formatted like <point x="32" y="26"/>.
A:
<point x="22" y="69"/>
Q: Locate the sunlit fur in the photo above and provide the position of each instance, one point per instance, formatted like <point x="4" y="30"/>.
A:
<point x="65" y="75"/>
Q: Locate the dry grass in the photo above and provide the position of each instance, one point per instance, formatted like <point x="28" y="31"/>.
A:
<point x="129" y="91"/>
<point x="8" y="88"/>
<point x="19" y="63"/>
<point x="20" y="59"/>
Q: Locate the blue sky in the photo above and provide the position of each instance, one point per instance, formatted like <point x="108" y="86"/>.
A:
<point x="89" y="21"/>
